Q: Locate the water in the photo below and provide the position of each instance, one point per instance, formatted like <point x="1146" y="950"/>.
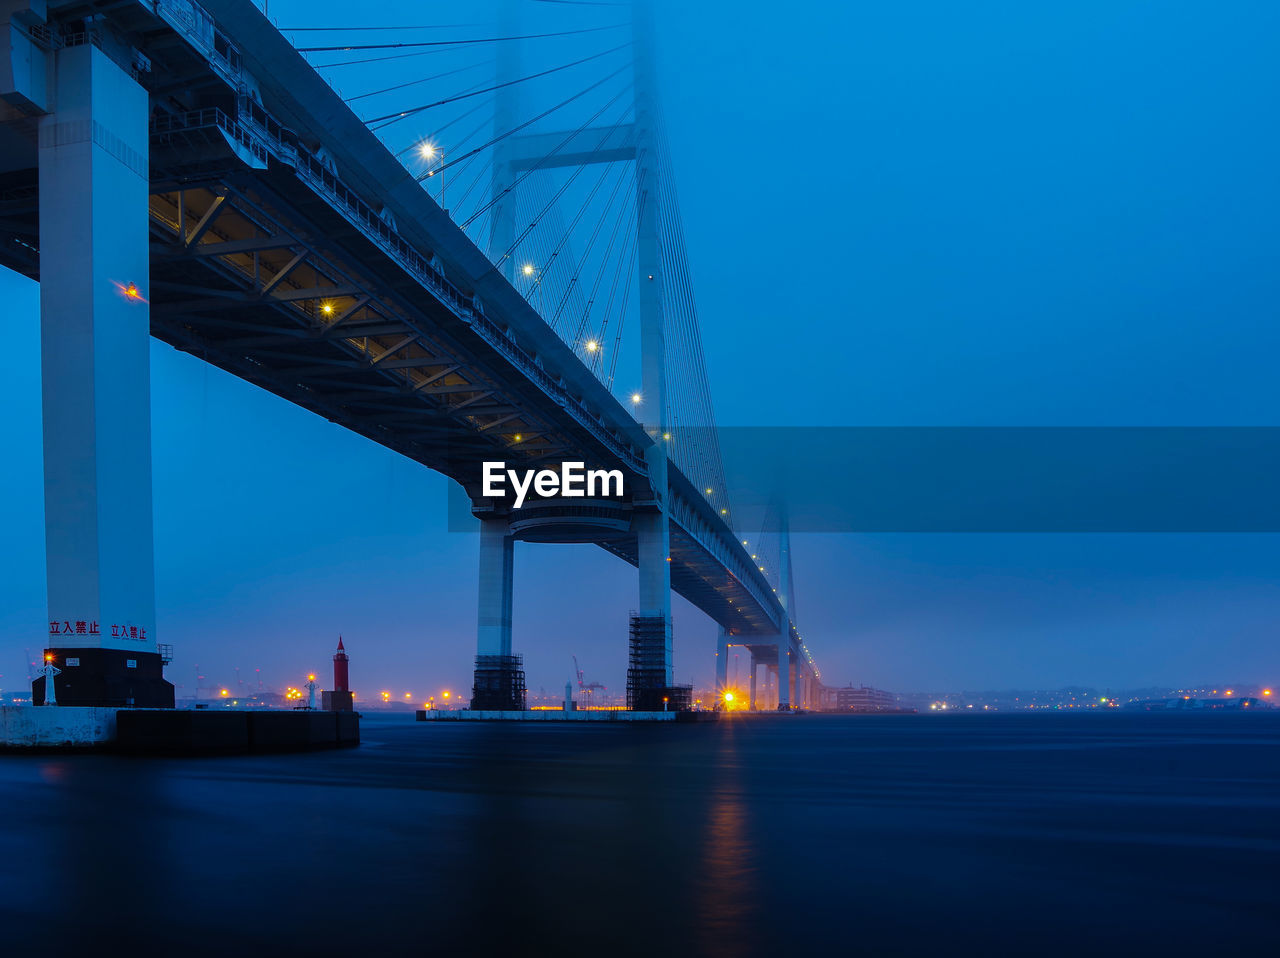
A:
<point x="773" y="835"/>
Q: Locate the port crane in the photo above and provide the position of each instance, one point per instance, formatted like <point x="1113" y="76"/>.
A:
<point x="587" y="690"/>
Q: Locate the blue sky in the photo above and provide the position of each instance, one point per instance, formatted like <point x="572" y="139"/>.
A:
<point x="918" y="213"/>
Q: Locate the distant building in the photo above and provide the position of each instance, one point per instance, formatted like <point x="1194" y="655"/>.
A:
<point x="1187" y="703"/>
<point x="864" y="699"/>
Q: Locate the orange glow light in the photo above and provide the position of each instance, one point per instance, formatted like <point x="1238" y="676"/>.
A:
<point x="130" y="291"/>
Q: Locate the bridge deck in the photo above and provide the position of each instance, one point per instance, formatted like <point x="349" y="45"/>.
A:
<point x="291" y="248"/>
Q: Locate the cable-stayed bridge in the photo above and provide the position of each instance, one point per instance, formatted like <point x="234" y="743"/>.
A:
<point x="449" y="273"/>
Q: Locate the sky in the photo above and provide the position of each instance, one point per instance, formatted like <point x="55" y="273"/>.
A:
<point x="919" y="213"/>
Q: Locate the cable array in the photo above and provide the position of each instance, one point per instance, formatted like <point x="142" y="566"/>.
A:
<point x="532" y="152"/>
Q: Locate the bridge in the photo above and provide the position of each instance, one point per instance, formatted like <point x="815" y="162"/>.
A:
<point x="182" y="170"/>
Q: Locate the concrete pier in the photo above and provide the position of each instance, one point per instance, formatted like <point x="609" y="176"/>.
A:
<point x="62" y="727"/>
<point x="175" y="731"/>
<point x="95" y="359"/>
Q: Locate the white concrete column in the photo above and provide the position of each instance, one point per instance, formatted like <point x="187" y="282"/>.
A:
<point x="95" y="360"/>
<point x="651" y="527"/>
<point x="497" y="554"/>
<point x="653" y="538"/>
<point x="784" y="673"/>
<point x="722" y="662"/>
<point x="502" y="218"/>
<point x="648" y="233"/>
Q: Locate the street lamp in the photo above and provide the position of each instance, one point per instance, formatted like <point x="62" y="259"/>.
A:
<point x="429" y="151"/>
<point x="534" y="276"/>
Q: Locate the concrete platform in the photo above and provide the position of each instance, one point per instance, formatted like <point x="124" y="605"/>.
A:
<point x="556" y="715"/>
<point x="66" y="727"/>
<point x="175" y="731"/>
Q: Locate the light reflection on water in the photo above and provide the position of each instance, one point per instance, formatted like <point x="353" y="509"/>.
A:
<point x="759" y="835"/>
<point x="726" y="873"/>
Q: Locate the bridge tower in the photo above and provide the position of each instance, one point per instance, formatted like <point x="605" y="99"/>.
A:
<point x="502" y="228"/>
<point x="92" y="118"/>
<point x="788" y="670"/>
<point x="650" y="676"/>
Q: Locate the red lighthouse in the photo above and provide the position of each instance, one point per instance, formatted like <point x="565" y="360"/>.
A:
<point x="340" y="677"/>
<point x="339" y="699"/>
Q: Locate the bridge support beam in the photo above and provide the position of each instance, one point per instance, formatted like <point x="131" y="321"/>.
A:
<point x="502" y="219"/>
<point x="751" y="702"/>
<point x="499" y="676"/>
<point x="95" y="359"/>
<point x="650" y="672"/>
<point x="722" y="665"/>
<point x="784" y="674"/>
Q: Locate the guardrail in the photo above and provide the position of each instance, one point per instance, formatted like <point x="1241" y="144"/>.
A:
<point x="256" y="130"/>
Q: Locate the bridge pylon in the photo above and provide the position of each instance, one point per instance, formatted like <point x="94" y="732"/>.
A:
<point x="499" y="674"/>
<point x="650" y="627"/>
<point x="92" y="152"/>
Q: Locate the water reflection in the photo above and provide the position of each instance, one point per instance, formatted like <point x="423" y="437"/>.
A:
<point x="751" y="836"/>
<point x="727" y="893"/>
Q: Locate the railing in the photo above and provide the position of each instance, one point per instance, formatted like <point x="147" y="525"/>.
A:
<point x="264" y="137"/>
<point x="195" y="24"/>
<point x="167" y="124"/>
<point x="258" y="131"/>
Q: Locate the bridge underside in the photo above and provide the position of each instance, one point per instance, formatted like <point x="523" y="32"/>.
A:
<point x="248" y="245"/>
<point x="256" y="275"/>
